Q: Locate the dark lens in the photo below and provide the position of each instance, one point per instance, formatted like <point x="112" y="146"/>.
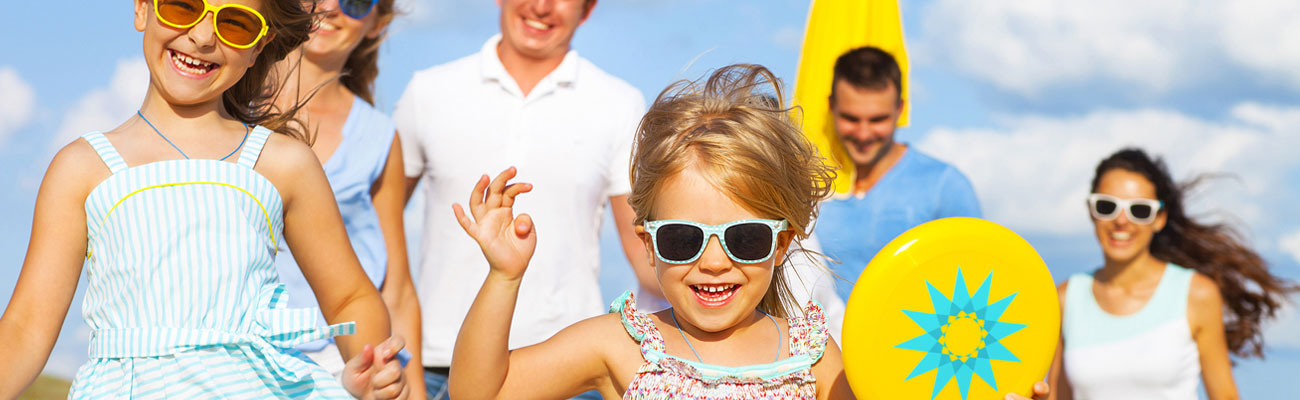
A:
<point x="750" y="241"/>
<point x="357" y="9"/>
<point x="1105" y="207"/>
<point x="238" y="26"/>
<point x="1140" y="211"/>
<point x="180" y="12"/>
<point x="678" y="242"/>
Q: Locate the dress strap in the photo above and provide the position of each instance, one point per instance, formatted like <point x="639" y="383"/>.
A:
<point x="253" y="146"/>
<point x="808" y="334"/>
<point x="106" y="151"/>
<point x="637" y="324"/>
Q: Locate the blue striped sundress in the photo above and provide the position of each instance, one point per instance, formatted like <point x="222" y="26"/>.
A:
<point x="183" y="299"/>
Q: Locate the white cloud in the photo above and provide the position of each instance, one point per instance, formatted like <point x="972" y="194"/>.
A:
<point x="104" y="108"/>
<point x="16" y="104"/>
<point x="1155" y="45"/>
<point x="1032" y="173"/>
<point x="1291" y="245"/>
<point x="1284" y="332"/>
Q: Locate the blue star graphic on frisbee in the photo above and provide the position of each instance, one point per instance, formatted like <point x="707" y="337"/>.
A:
<point x="961" y="336"/>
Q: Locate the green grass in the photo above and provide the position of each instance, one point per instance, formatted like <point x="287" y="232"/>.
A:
<point x="46" y="387"/>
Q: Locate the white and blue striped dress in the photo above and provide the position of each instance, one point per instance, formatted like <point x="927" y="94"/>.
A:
<point x="183" y="299"/>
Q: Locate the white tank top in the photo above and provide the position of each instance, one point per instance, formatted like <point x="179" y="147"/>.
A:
<point x="1146" y="355"/>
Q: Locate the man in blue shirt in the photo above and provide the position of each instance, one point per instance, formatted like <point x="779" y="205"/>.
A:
<point x="895" y="187"/>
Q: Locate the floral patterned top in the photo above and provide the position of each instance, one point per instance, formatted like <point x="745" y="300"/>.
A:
<point x="668" y="377"/>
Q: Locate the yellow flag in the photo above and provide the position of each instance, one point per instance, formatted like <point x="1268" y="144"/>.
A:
<point x="835" y="27"/>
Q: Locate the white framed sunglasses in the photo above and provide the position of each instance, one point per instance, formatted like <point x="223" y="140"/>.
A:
<point x="1106" y="208"/>
<point x="745" y="241"/>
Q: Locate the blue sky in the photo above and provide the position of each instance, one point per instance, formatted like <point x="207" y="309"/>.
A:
<point x="1024" y="97"/>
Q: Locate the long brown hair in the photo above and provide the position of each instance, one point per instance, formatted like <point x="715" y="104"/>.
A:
<point x="735" y="126"/>
<point x="1249" y="291"/>
<point x="251" y="100"/>
<point x="362" y="66"/>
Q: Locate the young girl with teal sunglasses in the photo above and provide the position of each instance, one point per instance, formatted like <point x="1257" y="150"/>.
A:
<point x="722" y="184"/>
<point x="176" y="214"/>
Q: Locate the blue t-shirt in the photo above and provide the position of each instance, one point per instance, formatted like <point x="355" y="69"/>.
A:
<point x="918" y="189"/>
<point x="351" y="170"/>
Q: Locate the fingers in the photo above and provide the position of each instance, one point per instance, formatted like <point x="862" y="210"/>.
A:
<point x="476" y="197"/>
<point x="512" y="190"/>
<point x="1041" y="390"/>
<point x="463" y="219"/>
<point x="497" y="188"/>
<point x="523" y="225"/>
<point x="387" y="382"/>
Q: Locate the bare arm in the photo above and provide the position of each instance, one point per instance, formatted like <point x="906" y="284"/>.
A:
<point x="48" y="280"/>
<point x="482" y="365"/>
<point x="1057" y="376"/>
<point x="633" y="248"/>
<point x="1205" y="315"/>
<point x="398" y="292"/>
<point x="314" y="232"/>
<point x="829" y="371"/>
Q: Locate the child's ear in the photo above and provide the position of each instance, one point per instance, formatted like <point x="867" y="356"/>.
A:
<point x="648" y="242"/>
<point x="783" y="240"/>
<point x="142" y="14"/>
<point x="261" y="44"/>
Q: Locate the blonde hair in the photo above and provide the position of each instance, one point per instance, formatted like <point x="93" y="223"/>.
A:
<point x="744" y="140"/>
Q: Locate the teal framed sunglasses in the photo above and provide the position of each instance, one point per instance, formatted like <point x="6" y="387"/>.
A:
<point x="745" y="241"/>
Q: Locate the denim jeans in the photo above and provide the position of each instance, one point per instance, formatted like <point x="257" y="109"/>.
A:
<point x="435" y="385"/>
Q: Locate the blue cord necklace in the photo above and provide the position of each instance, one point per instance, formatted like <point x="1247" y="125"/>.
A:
<point x="178" y="149"/>
<point x="697" y="354"/>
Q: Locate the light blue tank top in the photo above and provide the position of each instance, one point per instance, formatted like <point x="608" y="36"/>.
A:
<point x="181" y="296"/>
<point x="1149" y="354"/>
<point x="351" y="170"/>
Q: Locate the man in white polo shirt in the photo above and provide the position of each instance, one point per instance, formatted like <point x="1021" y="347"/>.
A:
<point x="525" y="100"/>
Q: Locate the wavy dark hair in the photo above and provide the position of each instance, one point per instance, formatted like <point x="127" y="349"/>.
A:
<point x="1249" y="291"/>
<point x="362" y="66"/>
<point x="251" y="100"/>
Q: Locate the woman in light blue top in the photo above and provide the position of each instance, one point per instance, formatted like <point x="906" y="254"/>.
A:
<point x="178" y="211"/>
<point x="1150" y="321"/>
<point x="335" y="72"/>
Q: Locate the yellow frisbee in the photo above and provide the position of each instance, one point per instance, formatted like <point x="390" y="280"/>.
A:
<point x="958" y="308"/>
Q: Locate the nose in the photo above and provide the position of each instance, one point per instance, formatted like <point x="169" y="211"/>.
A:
<point x="714" y="260"/>
<point x="543" y="7"/>
<point x="203" y="33"/>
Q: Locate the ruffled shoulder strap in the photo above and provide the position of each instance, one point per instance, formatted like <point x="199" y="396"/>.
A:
<point x="637" y="324"/>
<point x="809" y="333"/>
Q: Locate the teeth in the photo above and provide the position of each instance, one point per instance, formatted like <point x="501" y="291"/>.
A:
<point x="190" y="64"/>
<point x="536" y="24"/>
<point x="1121" y="235"/>
<point x="714" y="289"/>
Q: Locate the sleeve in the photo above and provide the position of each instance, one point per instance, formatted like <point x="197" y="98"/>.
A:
<point x="620" y="180"/>
<point x="957" y="196"/>
<point x="406" y="117"/>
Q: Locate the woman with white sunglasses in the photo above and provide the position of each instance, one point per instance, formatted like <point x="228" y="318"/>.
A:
<point x="1173" y="299"/>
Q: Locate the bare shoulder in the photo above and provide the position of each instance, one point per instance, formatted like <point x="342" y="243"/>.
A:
<point x="76" y="167"/>
<point x="1061" y="290"/>
<point x="287" y="162"/>
<point x="603" y="330"/>
<point x="1204" y="292"/>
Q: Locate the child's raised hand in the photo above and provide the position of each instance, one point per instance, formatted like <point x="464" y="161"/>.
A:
<point x="507" y="241"/>
<point x="376" y="373"/>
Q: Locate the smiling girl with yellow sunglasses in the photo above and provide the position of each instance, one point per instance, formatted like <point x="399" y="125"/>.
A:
<point x="178" y="211"/>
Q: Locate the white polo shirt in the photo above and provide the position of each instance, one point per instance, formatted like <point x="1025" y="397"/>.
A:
<point x="571" y="137"/>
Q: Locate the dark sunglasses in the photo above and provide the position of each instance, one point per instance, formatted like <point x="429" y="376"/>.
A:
<point x="745" y="241"/>
<point x="1106" y="207"/>
<point x="357" y="9"/>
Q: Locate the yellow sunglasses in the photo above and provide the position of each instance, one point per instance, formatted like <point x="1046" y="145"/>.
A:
<point x="237" y="26"/>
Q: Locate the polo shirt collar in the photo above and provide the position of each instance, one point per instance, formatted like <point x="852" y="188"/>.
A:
<point x="565" y="74"/>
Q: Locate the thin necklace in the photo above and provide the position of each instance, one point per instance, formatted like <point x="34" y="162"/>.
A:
<point x="178" y="149"/>
<point x="697" y="354"/>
